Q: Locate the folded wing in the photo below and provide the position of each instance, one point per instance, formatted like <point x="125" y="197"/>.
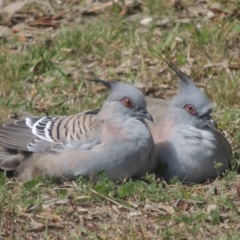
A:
<point x="52" y="134"/>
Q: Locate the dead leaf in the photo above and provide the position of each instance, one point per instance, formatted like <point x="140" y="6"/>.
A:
<point x="20" y="27"/>
<point x="49" y="215"/>
<point x="41" y="227"/>
<point x="14" y="7"/>
<point x="22" y="39"/>
<point x="98" y="89"/>
<point x="5" y="31"/>
<point x="165" y="22"/>
<point x="146" y="21"/>
<point x="130" y="63"/>
<point x="211" y="207"/>
<point x="223" y="64"/>
<point x="123" y="11"/>
<point x="166" y="207"/>
<point x="89" y="64"/>
<point x="234" y="67"/>
<point x="44" y="22"/>
<point x="115" y="209"/>
<point x="187" y="70"/>
<point x="217" y="8"/>
<point x="82" y="210"/>
<point x="158" y="208"/>
<point x="211" y="15"/>
<point x="95" y="7"/>
<point x="183" y="20"/>
<point x="59" y="15"/>
<point x="134" y="214"/>
<point x="36" y="225"/>
<point x="45" y="106"/>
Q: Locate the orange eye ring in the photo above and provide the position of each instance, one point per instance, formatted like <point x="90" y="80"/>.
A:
<point x="127" y="102"/>
<point x="191" y="109"/>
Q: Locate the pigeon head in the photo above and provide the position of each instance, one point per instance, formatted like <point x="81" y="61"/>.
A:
<point x="125" y="101"/>
<point x="191" y="105"/>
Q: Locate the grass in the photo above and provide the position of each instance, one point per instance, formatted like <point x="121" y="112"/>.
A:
<point x="44" y="75"/>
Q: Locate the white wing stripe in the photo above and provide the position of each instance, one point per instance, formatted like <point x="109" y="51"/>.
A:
<point x="40" y="128"/>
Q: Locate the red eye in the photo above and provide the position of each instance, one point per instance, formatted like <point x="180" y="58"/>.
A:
<point x="127" y="102"/>
<point x="190" y="108"/>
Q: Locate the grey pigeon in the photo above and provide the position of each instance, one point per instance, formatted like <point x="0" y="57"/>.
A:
<point x="186" y="138"/>
<point x="114" y="139"/>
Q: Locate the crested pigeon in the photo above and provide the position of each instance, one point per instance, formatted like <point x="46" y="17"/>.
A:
<point x="186" y="137"/>
<point x="115" y="139"/>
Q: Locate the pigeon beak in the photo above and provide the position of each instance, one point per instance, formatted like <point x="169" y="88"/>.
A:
<point x="211" y="121"/>
<point x="145" y="114"/>
<point x="149" y="117"/>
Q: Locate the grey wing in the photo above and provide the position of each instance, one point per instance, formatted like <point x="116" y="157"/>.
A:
<point x="16" y="135"/>
<point x="52" y="134"/>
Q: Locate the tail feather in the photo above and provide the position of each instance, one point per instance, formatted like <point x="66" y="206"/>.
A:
<point x="15" y="135"/>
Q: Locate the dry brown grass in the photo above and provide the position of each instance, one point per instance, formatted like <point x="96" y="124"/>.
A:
<point x="41" y="72"/>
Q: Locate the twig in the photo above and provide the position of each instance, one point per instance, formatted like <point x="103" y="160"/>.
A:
<point x="111" y="200"/>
